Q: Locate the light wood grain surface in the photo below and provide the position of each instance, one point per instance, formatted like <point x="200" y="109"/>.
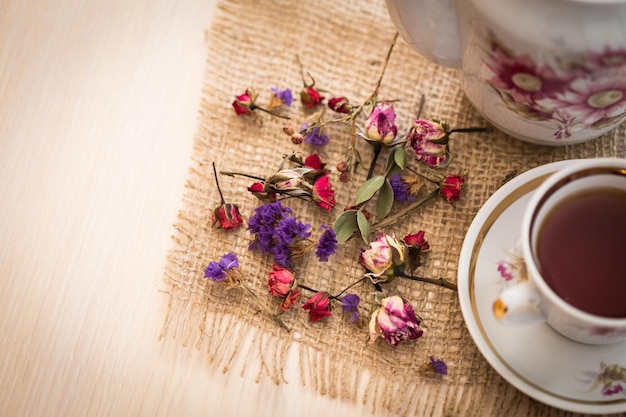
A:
<point x="98" y="105"/>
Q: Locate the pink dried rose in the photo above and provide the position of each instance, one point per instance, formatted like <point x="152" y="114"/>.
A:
<point x="280" y="281"/>
<point x="310" y="97"/>
<point x="318" y="306"/>
<point x="339" y="105"/>
<point x="287" y="180"/>
<point x="227" y="216"/>
<point x="383" y="255"/>
<point x="323" y="193"/>
<point x="395" y="321"/>
<point x="451" y="186"/>
<point x="429" y="141"/>
<point x="380" y="126"/>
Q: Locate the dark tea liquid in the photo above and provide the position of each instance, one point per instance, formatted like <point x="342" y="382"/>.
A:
<point x="581" y="251"/>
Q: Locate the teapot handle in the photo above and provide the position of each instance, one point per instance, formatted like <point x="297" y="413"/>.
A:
<point x="429" y="26"/>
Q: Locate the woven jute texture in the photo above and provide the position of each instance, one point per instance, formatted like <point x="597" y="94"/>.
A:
<point x="259" y="43"/>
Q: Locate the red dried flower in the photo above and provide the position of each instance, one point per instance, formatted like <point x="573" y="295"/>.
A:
<point x="318" y="306"/>
<point x="290" y="299"/>
<point x="451" y="186"/>
<point x="258" y="190"/>
<point x="314" y="161"/>
<point x="339" y="105"/>
<point x="416" y="240"/>
<point x="227" y="216"/>
<point x="244" y="103"/>
<point x="310" y="97"/>
<point x="323" y="193"/>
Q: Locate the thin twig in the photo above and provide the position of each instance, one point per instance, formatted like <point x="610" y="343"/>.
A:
<point x="439" y="281"/>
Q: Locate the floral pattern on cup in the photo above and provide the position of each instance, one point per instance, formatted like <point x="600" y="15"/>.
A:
<point x="512" y="268"/>
<point x="588" y="91"/>
<point x="610" y="380"/>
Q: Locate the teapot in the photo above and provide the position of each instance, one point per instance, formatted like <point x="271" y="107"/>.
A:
<point x="546" y="72"/>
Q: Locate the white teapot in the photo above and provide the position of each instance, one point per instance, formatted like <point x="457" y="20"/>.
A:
<point x="551" y="72"/>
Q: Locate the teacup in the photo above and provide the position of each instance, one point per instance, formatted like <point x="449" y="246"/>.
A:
<point x="573" y="246"/>
<point x="546" y="72"/>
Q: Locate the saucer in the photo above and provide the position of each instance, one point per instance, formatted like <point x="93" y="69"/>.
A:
<point x="533" y="358"/>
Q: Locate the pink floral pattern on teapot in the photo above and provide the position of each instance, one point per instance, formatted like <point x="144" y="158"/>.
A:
<point x="588" y="91"/>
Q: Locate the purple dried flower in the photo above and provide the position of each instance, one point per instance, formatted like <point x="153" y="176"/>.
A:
<point x="400" y="188"/>
<point x="229" y="261"/>
<point x="327" y="244"/>
<point x="315" y="136"/>
<point x="217" y="270"/>
<point x="276" y="230"/>
<point x="214" y="271"/>
<point x="439" y="366"/>
<point x="350" y="304"/>
<point x="285" y="95"/>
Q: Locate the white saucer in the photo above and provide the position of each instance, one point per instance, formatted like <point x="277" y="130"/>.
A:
<point x="534" y="358"/>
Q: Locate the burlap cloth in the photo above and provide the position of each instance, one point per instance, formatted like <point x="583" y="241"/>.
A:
<point x="254" y="43"/>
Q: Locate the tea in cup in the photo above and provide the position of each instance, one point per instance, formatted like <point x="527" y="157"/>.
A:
<point x="573" y="243"/>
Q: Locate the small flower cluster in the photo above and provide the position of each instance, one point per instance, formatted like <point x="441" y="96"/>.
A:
<point x="309" y="180"/>
<point x="278" y="233"/>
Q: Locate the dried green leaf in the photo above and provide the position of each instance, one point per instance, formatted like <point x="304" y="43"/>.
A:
<point x="345" y="225"/>
<point x="400" y="157"/>
<point x="385" y="200"/>
<point x="369" y="188"/>
<point x="364" y="226"/>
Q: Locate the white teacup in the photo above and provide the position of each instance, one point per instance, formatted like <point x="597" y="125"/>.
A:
<point x="546" y="72"/>
<point x="573" y="246"/>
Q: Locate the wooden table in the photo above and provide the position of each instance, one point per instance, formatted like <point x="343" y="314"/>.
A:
<point x="98" y="105"/>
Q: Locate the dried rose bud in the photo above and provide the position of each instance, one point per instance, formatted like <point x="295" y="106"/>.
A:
<point x="380" y="125"/>
<point x="429" y="141"/>
<point x="416" y="240"/>
<point x="297" y="138"/>
<point x="345" y="177"/>
<point x="383" y="255"/>
<point x="280" y="281"/>
<point x="395" y="321"/>
<point x="244" y="103"/>
<point x="416" y="245"/>
<point x="310" y="97"/>
<point x="318" y="306"/>
<point x="342" y="166"/>
<point x="287" y="180"/>
<point x="339" y="105"/>
<point x="450" y="187"/>
<point x="227" y="217"/>
<point x="288" y="130"/>
<point x="290" y="299"/>
<point x="258" y="189"/>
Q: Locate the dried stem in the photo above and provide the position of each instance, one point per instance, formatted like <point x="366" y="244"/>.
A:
<point x="262" y="305"/>
<point x="222" y="201"/>
<point x="439" y="281"/>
